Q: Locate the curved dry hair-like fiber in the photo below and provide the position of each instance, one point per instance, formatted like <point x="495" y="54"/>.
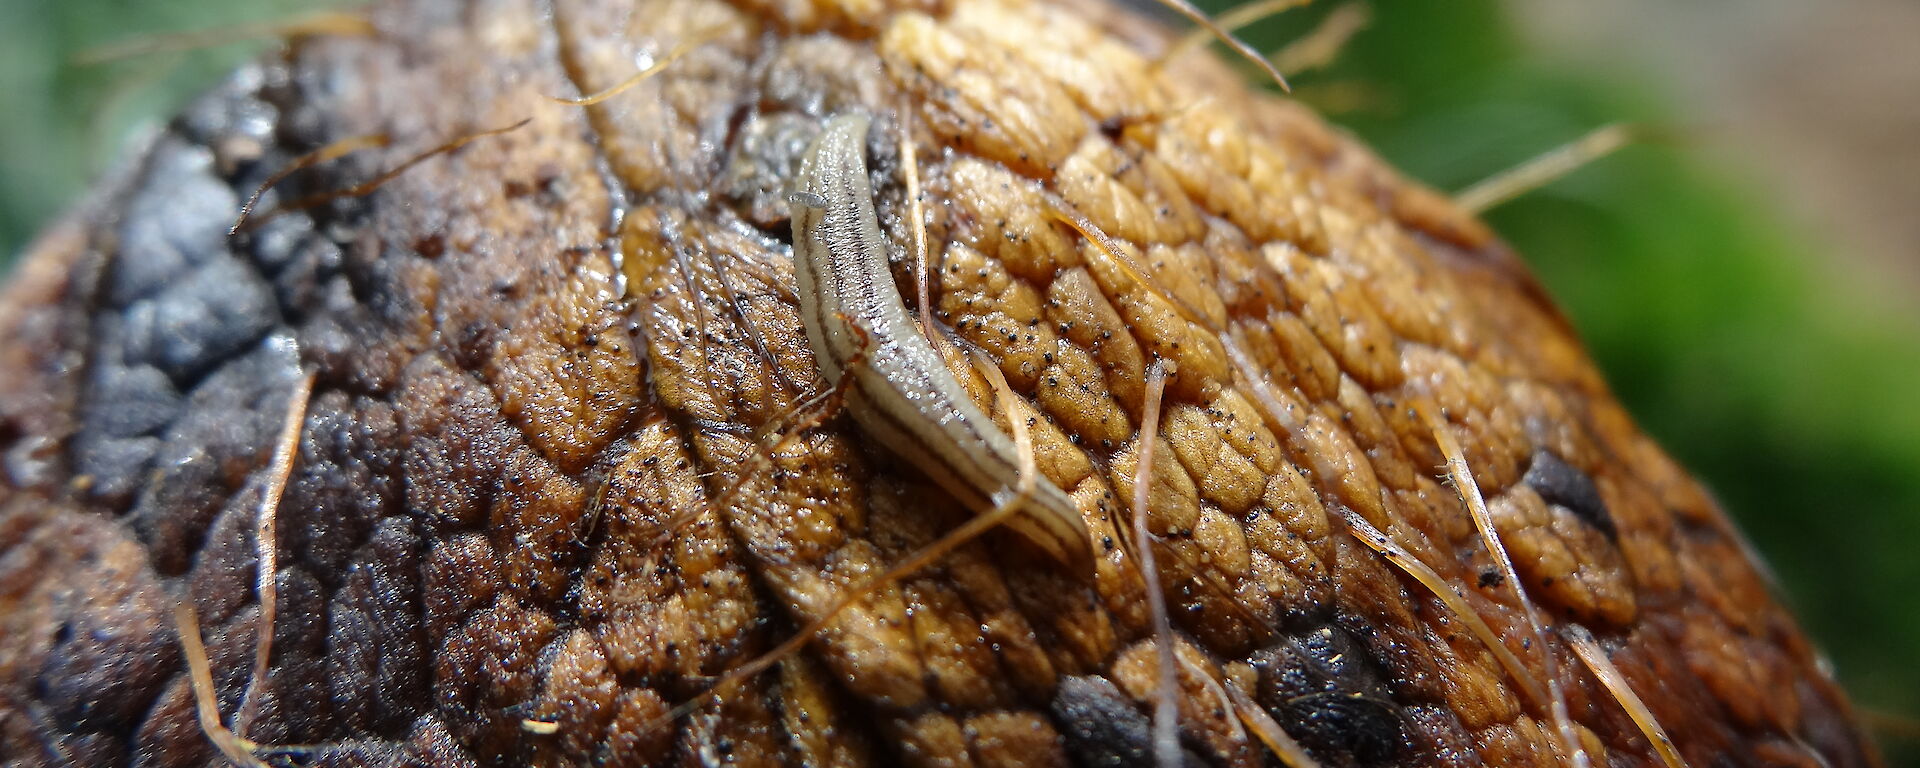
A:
<point x="1545" y="168"/>
<point x="684" y="47"/>
<point x="1357" y="525"/>
<point x="747" y="327"/>
<point x="1230" y="21"/>
<point x="1109" y="248"/>
<point x="345" y="147"/>
<point x="1595" y="657"/>
<point x="1112" y="249"/>
<point x="1279" y="416"/>
<point x="1421" y="572"/>
<point x="1197" y="16"/>
<point x="824" y="405"/>
<point x="804" y="416"/>
<point x="332" y="151"/>
<point x="788" y="426"/>
<point x="1819" y="760"/>
<point x="819" y="407"/>
<point x="972" y="529"/>
<point x="696" y="304"/>
<point x="1218" y="689"/>
<point x="236" y="747"/>
<point x="1269" y="732"/>
<point x="689" y="280"/>
<point x="1469" y="492"/>
<point x="1212" y="579"/>
<point x="321" y="24"/>
<point x="1276" y="413"/>
<point x="1166" y="708"/>
<point x="1321" y="46"/>
<point x="910" y="168"/>
<point x="266" y="540"/>
<point x="1270" y="405"/>
<point x="1892" y="724"/>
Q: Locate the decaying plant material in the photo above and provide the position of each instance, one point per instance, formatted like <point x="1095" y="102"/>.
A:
<point x="568" y="460"/>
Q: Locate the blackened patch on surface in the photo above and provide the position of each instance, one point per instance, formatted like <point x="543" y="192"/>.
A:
<point x="223" y="431"/>
<point x="1102" y="728"/>
<point x="134" y="400"/>
<point x="175" y="220"/>
<point x="1563" y="484"/>
<point x="201" y="319"/>
<point x="1326" y="691"/>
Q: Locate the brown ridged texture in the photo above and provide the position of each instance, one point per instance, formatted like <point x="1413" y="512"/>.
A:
<point x="535" y="352"/>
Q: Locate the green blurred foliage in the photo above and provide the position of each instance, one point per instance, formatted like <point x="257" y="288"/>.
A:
<point x="1790" y="388"/>
<point x="66" y="123"/>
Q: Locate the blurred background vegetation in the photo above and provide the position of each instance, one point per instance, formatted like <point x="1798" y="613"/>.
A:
<point x="1761" y="319"/>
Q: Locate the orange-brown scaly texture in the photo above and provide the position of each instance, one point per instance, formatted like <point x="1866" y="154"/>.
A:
<point x="530" y="484"/>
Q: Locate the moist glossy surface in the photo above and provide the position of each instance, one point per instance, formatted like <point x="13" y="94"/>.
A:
<point x="535" y="354"/>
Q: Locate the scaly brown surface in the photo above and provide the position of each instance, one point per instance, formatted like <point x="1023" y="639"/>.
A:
<point x="534" y="354"/>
